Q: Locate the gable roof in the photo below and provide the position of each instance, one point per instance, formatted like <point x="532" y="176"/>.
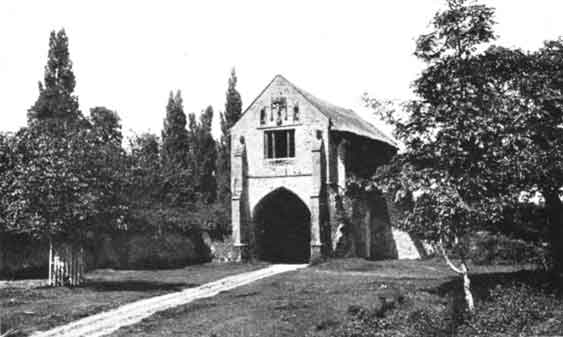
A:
<point x="345" y="120"/>
<point x="341" y="119"/>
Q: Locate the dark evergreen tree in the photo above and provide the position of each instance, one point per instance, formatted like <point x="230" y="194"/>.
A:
<point x="193" y="153"/>
<point x="233" y="112"/>
<point x="206" y="156"/>
<point x="146" y="171"/>
<point x="178" y="183"/>
<point x="175" y="142"/>
<point x="56" y="99"/>
<point x="108" y="124"/>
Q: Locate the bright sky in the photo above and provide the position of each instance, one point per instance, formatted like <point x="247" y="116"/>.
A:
<point x="128" y="55"/>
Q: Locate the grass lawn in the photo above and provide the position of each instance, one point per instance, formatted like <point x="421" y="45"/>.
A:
<point x="38" y="308"/>
<point x="310" y="302"/>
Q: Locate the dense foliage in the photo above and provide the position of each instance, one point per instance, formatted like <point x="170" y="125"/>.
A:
<point x="483" y="137"/>
<point x="56" y="98"/>
<point x="178" y="182"/>
<point x="203" y="155"/>
<point x="67" y="177"/>
<point x="62" y="174"/>
<point x="63" y="182"/>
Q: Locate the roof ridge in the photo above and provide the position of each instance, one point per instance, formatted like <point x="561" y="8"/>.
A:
<point x="314" y="100"/>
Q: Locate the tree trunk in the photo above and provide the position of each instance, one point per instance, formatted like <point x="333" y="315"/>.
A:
<point x="2" y="249"/>
<point x="467" y="288"/>
<point x="66" y="264"/>
<point x="462" y="270"/>
<point x="554" y="209"/>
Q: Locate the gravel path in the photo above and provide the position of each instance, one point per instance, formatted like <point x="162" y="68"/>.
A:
<point x="107" y="322"/>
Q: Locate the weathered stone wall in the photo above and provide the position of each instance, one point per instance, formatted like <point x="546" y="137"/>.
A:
<point x="149" y="250"/>
<point x="23" y="256"/>
<point x="29" y="258"/>
<point x="265" y="175"/>
<point x="254" y="176"/>
<point x="363" y="225"/>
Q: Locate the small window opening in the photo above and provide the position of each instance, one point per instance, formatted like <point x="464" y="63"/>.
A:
<point x="296" y="112"/>
<point x="279" y="144"/>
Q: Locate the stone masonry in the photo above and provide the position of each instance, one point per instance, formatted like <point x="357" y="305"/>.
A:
<point x="291" y="155"/>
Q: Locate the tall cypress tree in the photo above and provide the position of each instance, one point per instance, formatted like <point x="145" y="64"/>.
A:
<point x="193" y="152"/>
<point x="233" y="112"/>
<point x="175" y="140"/>
<point x="178" y="186"/>
<point x="56" y="99"/>
<point x="206" y="156"/>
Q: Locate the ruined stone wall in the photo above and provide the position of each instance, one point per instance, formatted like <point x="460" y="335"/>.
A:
<point x="360" y="227"/>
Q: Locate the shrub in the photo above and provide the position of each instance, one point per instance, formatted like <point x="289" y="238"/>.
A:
<point x="516" y="309"/>
<point x="489" y="248"/>
<point x="402" y="321"/>
<point x="399" y="315"/>
<point x="199" y="216"/>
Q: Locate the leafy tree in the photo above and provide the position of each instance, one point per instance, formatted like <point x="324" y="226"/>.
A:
<point x="482" y="139"/>
<point x="61" y="184"/>
<point x="63" y="179"/>
<point x="108" y="124"/>
<point x="531" y="141"/>
<point x="56" y="99"/>
<point x="446" y="164"/>
<point x="233" y="112"/>
<point x="61" y="187"/>
<point x="145" y="170"/>
<point x="7" y="162"/>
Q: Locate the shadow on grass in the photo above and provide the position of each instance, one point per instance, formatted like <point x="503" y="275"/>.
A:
<point x="481" y="284"/>
<point x="99" y="285"/>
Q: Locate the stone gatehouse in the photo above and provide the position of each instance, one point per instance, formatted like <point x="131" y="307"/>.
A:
<point x="291" y="155"/>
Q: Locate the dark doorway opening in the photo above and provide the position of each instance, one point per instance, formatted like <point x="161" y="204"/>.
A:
<point x="283" y="228"/>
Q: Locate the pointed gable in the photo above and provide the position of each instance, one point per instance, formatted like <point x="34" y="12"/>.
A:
<point x="341" y="119"/>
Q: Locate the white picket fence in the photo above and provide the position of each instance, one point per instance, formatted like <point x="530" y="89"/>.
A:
<point x="66" y="265"/>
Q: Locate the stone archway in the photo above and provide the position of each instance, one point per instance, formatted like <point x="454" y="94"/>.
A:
<point x="282" y="228"/>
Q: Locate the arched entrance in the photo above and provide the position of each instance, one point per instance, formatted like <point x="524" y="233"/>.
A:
<point x="283" y="228"/>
